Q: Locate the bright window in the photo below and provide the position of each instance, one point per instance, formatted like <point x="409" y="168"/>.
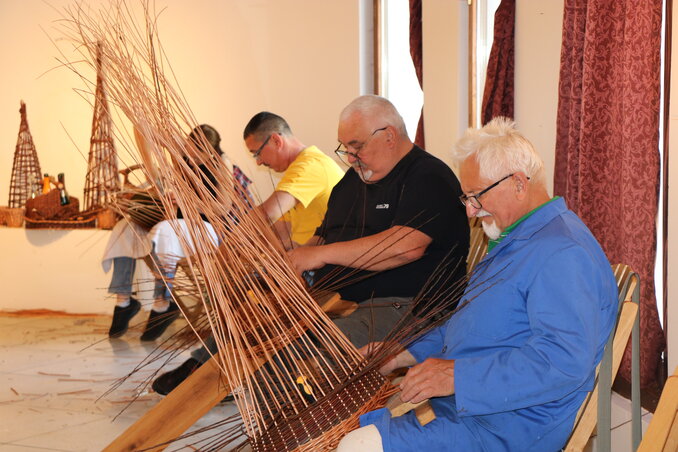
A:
<point x="398" y="79"/>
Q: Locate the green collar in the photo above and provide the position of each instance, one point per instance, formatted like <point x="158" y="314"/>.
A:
<point x="494" y="242"/>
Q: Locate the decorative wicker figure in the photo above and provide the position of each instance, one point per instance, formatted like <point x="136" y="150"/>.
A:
<point x="26" y="174"/>
<point x="102" y="180"/>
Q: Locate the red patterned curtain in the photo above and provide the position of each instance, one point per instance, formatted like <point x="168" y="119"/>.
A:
<point x="416" y="53"/>
<point x="607" y="145"/>
<point x="498" y="94"/>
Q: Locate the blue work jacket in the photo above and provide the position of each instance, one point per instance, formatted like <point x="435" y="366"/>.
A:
<point x="539" y="311"/>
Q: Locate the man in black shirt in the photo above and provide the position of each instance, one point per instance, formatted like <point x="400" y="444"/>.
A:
<point x="392" y="213"/>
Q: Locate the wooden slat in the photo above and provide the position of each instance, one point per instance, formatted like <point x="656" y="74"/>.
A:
<point x="662" y="433"/>
<point x="422" y="410"/>
<point x="477" y="249"/>
<point x="175" y="413"/>
<point x="588" y="420"/>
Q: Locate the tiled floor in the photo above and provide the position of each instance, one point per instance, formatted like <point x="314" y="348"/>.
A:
<point x="53" y="371"/>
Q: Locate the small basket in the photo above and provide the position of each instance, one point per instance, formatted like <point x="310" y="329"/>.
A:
<point x="14" y="217"/>
<point x="107" y="218"/>
<point x="48" y="207"/>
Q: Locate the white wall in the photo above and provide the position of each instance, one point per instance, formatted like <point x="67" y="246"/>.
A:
<point x="445" y="50"/>
<point x="445" y="59"/>
<point x="537" y="65"/>
<point x="59" y="270"/>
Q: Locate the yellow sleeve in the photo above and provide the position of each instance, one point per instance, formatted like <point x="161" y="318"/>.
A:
<point x="305" y="178"/>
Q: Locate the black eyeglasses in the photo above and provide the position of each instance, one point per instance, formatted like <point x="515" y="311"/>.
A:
<point x="344" y="153"/>
<point x="256" y="153"/>
<point x="473" y="199"/>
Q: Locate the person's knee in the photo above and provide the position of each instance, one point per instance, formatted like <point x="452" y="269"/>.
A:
<point x="355" y="329"/>
<point x="364" y="439"/>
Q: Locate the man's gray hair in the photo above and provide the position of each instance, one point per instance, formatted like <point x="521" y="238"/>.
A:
<point x="500" y="150"/>
<point x="371" y="106"/>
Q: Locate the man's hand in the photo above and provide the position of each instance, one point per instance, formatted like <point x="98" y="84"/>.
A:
<point x="432" y="378"/>
<point x="306" y="258"/>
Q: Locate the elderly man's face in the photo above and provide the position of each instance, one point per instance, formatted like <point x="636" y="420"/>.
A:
<point x="499" y="207"/>
<point x="360" y="146"/>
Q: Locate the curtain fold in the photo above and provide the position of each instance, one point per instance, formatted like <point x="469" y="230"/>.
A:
<point x="607" y="143"/>
<point x="416" y="54"/>
<point x="499" y="88"/>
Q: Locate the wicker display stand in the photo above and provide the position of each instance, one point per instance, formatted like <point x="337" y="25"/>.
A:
<point x="26" y="174"/>
<point x="102" y="181"/>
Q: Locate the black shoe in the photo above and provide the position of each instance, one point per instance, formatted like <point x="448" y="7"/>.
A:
<point x="159" y="321"/>
<point x="121" y="318"/>
<point x="166" y="382"/>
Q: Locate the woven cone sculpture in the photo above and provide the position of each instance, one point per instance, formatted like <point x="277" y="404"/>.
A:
<point x="26" y="175"/>
<point x="102" y="181"/>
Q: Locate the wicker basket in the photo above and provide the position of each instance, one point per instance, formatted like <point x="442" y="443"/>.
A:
<point x="12" y="217"/>
<point x="322" y="425"/>
<point x="107" y="218"/>
<point x="48" y="207"/>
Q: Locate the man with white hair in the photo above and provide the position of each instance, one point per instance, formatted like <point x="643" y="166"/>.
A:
<point x="391" y="214"/>
<point x="510" y="369"/>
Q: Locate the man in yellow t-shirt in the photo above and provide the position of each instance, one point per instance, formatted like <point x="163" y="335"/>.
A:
<point x="296" y="207"/>
<point x="298" y="204"/>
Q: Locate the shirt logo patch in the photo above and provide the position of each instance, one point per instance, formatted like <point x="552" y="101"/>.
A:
<point x="382" y="206"/>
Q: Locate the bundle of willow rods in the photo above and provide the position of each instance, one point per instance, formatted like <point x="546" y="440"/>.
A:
<point x="270" y="332"/>
<point x="299" y="384"/>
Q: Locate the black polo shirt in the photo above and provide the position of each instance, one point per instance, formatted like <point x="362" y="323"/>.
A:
<point x="420" y="192"/>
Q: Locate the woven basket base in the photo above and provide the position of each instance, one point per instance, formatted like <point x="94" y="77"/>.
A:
<point x="321" y="426"/>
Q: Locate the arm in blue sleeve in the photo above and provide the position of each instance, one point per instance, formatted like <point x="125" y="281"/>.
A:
<point x="429" y="344"/>
<point x="563" y="305"/>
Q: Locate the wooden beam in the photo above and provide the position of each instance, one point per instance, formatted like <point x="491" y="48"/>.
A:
<point x="171" y="417"/>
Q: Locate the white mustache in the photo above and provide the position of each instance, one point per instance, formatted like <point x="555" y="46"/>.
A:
<point x="364" y="173"/>
<point x="483" y="213"/>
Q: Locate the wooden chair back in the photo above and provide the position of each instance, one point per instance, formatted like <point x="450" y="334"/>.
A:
<point x="477" y="249"/>
<point x="587" y="417"/>
<point x="662" y="433"/>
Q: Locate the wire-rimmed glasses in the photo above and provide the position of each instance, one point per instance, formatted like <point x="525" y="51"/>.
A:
<point x="473" y="199"/>
<point x="256" y="153"/>
<point x="343" y="153"/>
